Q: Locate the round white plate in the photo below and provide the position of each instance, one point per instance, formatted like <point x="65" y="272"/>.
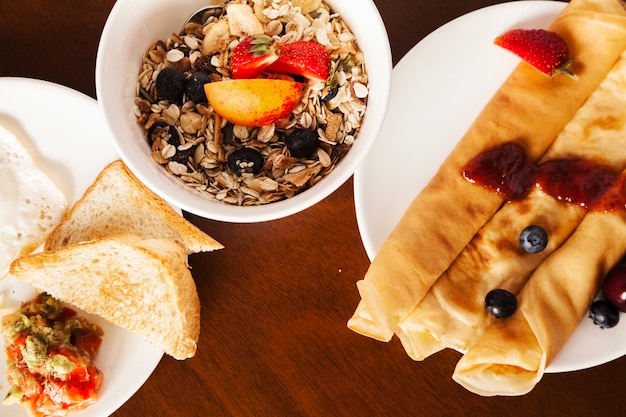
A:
<point x="63" y="131"/>
<point x="438" y="89"/>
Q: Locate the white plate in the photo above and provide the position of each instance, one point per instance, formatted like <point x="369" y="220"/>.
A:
<point x="63" y="131"/>
<point x="438" y="89"/>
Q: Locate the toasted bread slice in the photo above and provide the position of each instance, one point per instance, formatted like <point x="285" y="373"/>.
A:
<point x="143" y="286"/>
<point x="117" y="202"/>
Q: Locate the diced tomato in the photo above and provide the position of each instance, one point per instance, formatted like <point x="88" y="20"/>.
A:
<point x="73" y="356"/>
<point x="29" y="384"/>
<point x="43" y="406"/>
<point x="14" y="353"/>
<point x="14" y="350"/>
<point x="89" y="343"/>
<point x="75" y="393"/>
<point x="67" y="313"/>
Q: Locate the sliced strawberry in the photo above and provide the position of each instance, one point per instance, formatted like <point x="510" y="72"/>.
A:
<point x="251" y="57"/>
<point x="543" y="49"/>
<point x="305" y="58"/>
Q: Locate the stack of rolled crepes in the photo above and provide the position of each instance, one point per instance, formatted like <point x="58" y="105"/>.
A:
<point x="457" y="240"/>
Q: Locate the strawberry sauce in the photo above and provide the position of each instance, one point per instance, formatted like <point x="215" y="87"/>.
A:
<point x="505" y="169"/>
<point x="508" y="171"/>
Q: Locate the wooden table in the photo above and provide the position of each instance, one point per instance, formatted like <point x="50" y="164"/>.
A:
<point x="275" y="302"/>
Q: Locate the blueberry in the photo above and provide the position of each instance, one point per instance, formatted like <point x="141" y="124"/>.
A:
<point x="533" y="239"/>
<point x="302" y="143"/>
<point x="332" y="93"/>
<point x="194" y="87"/>
<point x="162" y="130"/>
<point x="246" y="160"/>
<point x="500" y="303"/>
<point x="170" y="84"/>
<point x="603" y="314"/>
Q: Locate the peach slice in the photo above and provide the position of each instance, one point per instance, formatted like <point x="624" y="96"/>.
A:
<point x="253" y="102"/>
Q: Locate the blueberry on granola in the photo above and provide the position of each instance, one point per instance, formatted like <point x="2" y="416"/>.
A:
<point x="302" y="143"/>
<point x="162" y="130"/>
<point x="332" y="93"/>
<point x="194" y="87"/>
<point x="246" y="161"/>
<point x="170" y="84"/>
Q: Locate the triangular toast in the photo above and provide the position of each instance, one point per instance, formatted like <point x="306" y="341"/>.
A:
<point x="117" y="202"/>
<point x="143" y="286"/>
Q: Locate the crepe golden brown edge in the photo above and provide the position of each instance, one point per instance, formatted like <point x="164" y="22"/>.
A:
<point x="452" y="313"/>
<point x="121" y="253"/>
<point x="449" y="211"/>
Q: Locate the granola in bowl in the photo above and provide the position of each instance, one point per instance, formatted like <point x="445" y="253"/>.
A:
<point x="252" y="165"/>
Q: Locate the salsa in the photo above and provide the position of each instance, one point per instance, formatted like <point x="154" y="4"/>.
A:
<point x="49" y="352"/>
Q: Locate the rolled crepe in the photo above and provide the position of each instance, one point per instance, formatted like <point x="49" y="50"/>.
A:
<point x="452" y="313"/>
<point x="449" y="211"/>
<point x="511" y="356"/>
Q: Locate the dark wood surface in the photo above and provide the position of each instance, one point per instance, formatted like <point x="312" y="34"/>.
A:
<point x="275" y="302"/>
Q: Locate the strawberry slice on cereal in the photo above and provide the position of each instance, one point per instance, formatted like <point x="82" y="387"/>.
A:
<point x="251" y="57"/>
<point x="304" y="58"/>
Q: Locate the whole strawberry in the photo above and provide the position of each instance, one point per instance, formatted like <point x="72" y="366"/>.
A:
<point x="251" y="57"/>
<point x="543" y="49"/>
<point x="305" y="58"/>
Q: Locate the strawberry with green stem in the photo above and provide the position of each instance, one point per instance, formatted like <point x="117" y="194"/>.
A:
<point x="251" y="57"/>
<point x="255" y="55"/>
<point x="543" y="49"/>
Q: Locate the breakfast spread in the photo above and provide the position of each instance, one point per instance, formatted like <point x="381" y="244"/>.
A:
<point x="512" y="239"/>
<point x="498" y="257"/>
<point x="49" y="352"/>
<point x="32" y="204"/>
<point x="258" y="103"/>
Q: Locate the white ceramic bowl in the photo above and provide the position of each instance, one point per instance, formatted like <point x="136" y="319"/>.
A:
<point x="134" y="25"/>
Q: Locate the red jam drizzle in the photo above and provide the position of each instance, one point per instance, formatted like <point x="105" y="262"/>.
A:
<point x="507" y="170"/>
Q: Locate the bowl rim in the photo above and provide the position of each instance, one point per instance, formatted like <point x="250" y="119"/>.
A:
<point x="180" y="195"/>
